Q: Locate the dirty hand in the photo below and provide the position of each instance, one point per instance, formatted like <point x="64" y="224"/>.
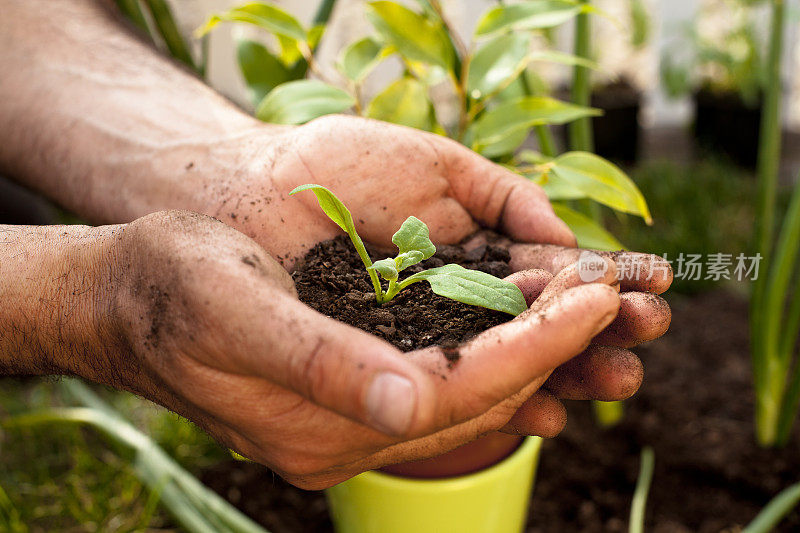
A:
<point x="209" y="325"/>
<point x="384" y="173"/>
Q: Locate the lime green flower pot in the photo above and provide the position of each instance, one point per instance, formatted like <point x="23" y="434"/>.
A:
<point x="493" y="500"/>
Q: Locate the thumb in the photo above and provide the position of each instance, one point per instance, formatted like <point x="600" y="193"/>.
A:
<point x="348" y="371"/>
<point x="506" y="201"/>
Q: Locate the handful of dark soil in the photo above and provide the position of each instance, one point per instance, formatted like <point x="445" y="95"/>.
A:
<point x="332" y="279"/>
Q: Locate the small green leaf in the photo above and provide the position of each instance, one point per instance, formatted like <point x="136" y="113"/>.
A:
<point x="527" y="16"/>
<point x="386" y="268"/>
<point x="297" y="102"/>
<point x="261" y="70"/>
<point x="265" y="16"/>
<point x="504" y="145"/>
<point x="404" y="102"/>
<point x="472" y="287"/>
<point x="338" y="213"/>
<point x="587" y="231"/>
<point x="359" y="58"/>
<point x="601" y="181"/>
<point x="290" y="50"/>
<point x="332" y="206"/>
<point x="407" y="259"/>
<point x="523" y="114"/>
<point x="413" y="236"/>
<point x="495" y="62"/>
<point x="415" y="36"/>
<point x="315" y="35"/>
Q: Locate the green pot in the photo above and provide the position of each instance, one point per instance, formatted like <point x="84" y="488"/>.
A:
<point x="493" y="500"/>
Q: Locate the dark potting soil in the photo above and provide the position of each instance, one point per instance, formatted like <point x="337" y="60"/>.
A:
<point x="332" y="280"/>
<point x="695" y="408"/>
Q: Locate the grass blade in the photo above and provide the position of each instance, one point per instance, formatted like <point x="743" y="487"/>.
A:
<point x="775" y="510"/>
<point x="193" y="505"/>
<point x="165" y="23"/>
<point x="639" y="503"/>
<point x="10" y="519"/>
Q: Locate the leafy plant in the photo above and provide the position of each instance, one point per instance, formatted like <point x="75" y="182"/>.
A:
<point x="774" y="323"/>
<point x="414" y="245"/>
<point x="493" y="81"/>
<point x="730" y="63"/>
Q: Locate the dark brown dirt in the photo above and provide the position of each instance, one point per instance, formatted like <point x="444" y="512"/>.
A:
<point x="695" y="408"/>
<point x="332" y="279"/>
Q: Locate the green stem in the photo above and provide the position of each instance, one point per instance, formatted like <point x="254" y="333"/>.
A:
<point x="775" y="510"/>
<point x="546" y="144"/>
<point x="132" y="10"/>
<point x="580" y="131"/>
<point x="639" y="503"/>
<point x="766" y="367"/>
<point x="165" y="23"/>
<point x="323" y="14"/>
<point x="608" y="414"/>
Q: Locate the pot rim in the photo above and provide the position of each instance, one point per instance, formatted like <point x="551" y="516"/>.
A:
<point x="530" y="447"/>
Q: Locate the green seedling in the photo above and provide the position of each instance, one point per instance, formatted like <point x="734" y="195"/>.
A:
<point x="414" y="245"/>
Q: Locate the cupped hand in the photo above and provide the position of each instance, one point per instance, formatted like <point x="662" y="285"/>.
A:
<point x="383" y="173"/>
<point x="217" y="334"/>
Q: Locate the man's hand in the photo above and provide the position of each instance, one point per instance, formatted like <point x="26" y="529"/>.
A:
<point x="209" y="325"/>
<point x="383" y="173"/>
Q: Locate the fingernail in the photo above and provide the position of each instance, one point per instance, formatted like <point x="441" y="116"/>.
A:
<point x="391" y="402"/>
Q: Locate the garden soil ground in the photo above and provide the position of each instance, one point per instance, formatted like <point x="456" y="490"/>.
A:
<point x="694" y="408"/>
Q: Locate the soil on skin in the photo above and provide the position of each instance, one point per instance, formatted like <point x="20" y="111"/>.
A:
<point x="695" y="408"/>
<point x="332" y="279"/>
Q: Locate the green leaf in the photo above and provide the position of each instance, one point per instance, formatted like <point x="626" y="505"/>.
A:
<point x="265" y="16"/>
<point x="386" y="268"/>
<point x="315" y="35"/>
<point x="338" y="213"/>
<point x="504" y="145"/>
<point x="495" y="62"/>
<point x="415" y="36"/>
<point x="413" y="236"/>
<point x="472" y="287"/>
<point x="587" y="231"/>
<point x="297" y="102"/>
<point x="332" y="206"/>
<point x="359" y="58"/>
<point x="407" y="259"/>
<point x="557" y="188"/>
<point x="527" y="16"/>
<point x="261" y="70"/>
<point x="523" y="114"/>
<point x="290" y="50"/>
<point x="405" y="102"/>
<point x="601" y="181"/>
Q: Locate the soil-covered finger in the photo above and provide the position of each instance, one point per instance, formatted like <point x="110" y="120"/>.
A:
<point x="542" y="415"/>
<point x="602" y="373"/>
<point x="642" y="317"/>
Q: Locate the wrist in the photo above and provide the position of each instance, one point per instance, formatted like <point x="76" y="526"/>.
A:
<point x="55" y="300"/>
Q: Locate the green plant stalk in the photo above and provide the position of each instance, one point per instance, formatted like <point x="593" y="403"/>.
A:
<point x="132" y="10"/>
<point x="580" y="135"/>
<point x="777" y="508"/>
<point x="323" y="14"/>
<point x="580" y="131"/>
<point x="778" y="362"/>
<point x="162" y="16"/>
<point x="766" y="370"/>
<point x="639" y="502"/>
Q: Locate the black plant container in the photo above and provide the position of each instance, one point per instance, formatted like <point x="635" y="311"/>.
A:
<point x="617" y="131"/>
<point x="725" y="124"/>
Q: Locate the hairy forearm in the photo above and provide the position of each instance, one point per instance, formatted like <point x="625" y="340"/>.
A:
<point x="53" y="317"/>
<point x="100" y="122"/>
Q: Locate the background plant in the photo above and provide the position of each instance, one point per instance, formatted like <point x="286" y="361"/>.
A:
<point x="732" y="63"/>
<point x="492" y="80"/>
